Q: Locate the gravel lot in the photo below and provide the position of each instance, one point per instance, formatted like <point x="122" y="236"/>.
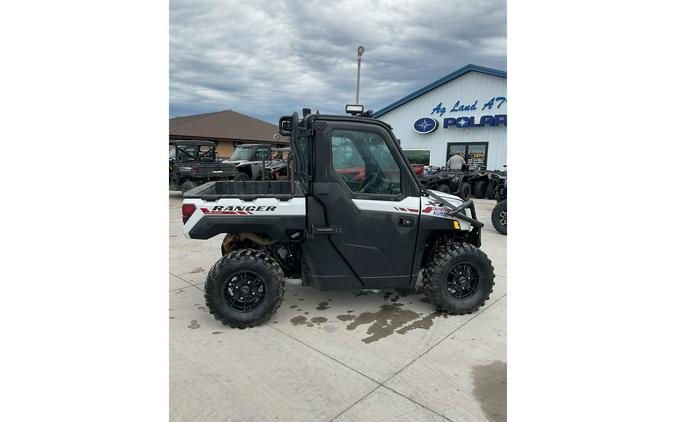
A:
<point x="346" y="356"/>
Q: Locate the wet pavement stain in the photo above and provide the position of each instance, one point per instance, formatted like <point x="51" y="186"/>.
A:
<point x="423" y="323"/>
<point x="322" y="306"/>
<point x="203" y="308"/>
<point x="319" y="320"/>
<point x="346" y="318"/>
<point x="298" y="320"/>
<point x="293" y="306"/>
<point x="172" y="317"/>
<point x="306" y="313"/>
<point x="216" y="332"/>
<point x="330" y="328"/>
<point x="193" y="324"/>
<point x="384" y="322"/>
<point x="197" y="270"/>
<point x="489" y="388"/>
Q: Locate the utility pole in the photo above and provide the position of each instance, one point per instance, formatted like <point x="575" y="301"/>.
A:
<point x="359" y="52"/>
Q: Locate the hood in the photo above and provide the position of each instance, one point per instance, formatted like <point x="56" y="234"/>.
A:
<point x="236" y="162"/>
<point x="454" y="200"/>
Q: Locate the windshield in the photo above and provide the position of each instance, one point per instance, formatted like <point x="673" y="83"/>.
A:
<point x="242" y="153"/>
<point x="172" y="152"/>
<point x="193" y="153"/>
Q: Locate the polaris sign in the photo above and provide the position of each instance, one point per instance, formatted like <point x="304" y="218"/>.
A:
<point x="466" y="122"/>
<point x="425" y="125"/>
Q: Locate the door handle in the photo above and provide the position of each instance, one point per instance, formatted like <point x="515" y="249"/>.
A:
<point x="406" y="221"/>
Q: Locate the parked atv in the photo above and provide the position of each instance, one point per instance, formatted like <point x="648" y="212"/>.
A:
<point x="336" y="231"/>
<point x="456" y="182"/>
<point x="499" y="211"/>
<point x="192" y="163"/>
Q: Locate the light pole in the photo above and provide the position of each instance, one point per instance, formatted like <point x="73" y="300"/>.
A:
<point x="359" y="52"/>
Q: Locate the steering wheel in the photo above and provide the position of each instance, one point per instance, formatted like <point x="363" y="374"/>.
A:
<point x="373" y="179"/>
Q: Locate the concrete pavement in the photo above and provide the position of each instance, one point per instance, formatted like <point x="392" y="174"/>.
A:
<point x="346" y="356"/>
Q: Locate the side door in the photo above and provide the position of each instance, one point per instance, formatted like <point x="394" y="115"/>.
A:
<point x="369" y="201"/>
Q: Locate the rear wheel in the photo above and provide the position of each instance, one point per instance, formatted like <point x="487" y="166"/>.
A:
<point x="244" y="288"/>
<point x="464" y="190"/>
<point x="443" y="188"/>
<point x="458" y="278"/>
<point x="479" y="189"/>
<point x="499" y="217"/>
<point x="490" y="190"/>
<point x="241" y="177"/>
<point x="188" y="185"/>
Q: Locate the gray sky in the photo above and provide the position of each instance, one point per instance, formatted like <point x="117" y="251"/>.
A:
<point x="269" y="58"/>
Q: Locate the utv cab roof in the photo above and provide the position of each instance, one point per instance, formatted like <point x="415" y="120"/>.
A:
<point x="191" y="142"/>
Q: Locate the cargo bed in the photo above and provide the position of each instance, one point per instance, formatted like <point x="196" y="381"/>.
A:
<point x="245" y="190"/>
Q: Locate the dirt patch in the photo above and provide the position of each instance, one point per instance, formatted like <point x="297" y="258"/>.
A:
<point x="197" y="270"/>
<point x="489" y="388"/>
<point x="193" y="324"/>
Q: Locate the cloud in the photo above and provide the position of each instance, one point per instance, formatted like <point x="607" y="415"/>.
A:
<point x="266" y="59"/>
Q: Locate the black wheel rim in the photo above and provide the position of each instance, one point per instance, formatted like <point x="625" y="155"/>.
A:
<point x="502" y="218"/>
<point x="244" y="291"/>
<point x="462" y="280"/>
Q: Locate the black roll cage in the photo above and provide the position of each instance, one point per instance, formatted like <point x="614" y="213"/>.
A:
<point x="290" y="126"/>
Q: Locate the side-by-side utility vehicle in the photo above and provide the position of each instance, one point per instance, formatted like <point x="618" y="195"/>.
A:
<point x="193" y="162"/>
<point x="336" y="228"/>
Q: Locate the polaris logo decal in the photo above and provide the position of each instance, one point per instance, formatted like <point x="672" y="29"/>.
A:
<point x="238" y="209"/>
<point x="437" y="211"/>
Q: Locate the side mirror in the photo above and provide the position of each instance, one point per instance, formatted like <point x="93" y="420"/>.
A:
<point x="285" y="125"/>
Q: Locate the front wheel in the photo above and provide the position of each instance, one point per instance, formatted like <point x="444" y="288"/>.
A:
<point x="464" y="191"/>
<point x="499" y="217"/>
<point x="458" y="278"/>
<point x="241" y="177"/>
<point x="479" y="189"/>
<point x="244" y="288"/>
<point x="490" y="190"/>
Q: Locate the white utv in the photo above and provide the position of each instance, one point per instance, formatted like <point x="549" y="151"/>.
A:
<point x="352" y="216"/>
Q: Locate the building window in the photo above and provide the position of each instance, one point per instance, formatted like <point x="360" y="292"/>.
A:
<point x="418" y="156"/>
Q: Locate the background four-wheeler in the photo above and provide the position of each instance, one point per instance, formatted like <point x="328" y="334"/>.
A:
<point x="192" y="163"/>
<point x="339" y="232"/>
<point x="464" y="183"/>
<point x="499" y="211"/>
